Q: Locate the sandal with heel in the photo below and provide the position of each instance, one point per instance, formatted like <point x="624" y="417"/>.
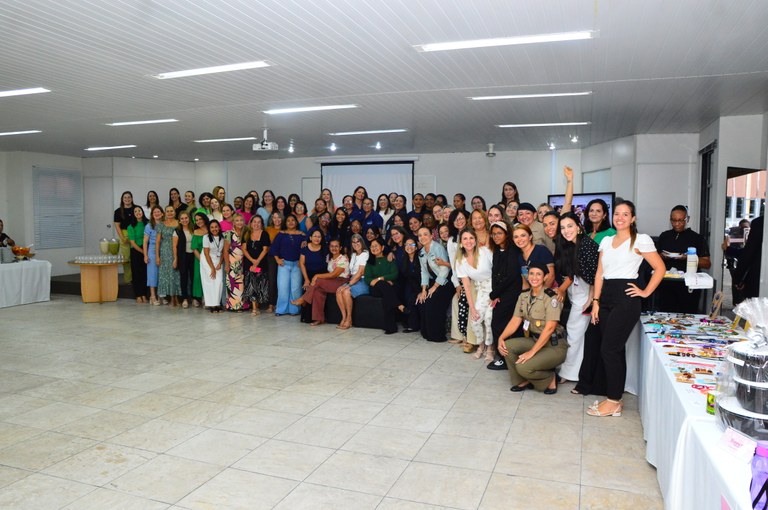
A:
<point x="594" y="409"/>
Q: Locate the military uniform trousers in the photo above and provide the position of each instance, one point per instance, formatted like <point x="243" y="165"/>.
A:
<point x="538" y="370"/>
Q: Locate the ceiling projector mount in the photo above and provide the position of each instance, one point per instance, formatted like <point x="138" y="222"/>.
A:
<point x="264" y="145"/>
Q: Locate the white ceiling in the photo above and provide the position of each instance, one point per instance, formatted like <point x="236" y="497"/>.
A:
<point x="658" y="66"/>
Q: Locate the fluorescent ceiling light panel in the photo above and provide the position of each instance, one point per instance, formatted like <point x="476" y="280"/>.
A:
<point x="507" y="41"/>
<point x="531" y="96"/>
<point x="140" y="122"/>
<point x="373" y="132"/>
<point x="28" y="132"/>
<point x="212" y="70"/>
<point x="22" y="92"/>
<point x="544" y="124"/>
<point x="278" y="111"/>
<point x="110" y="148"/>
<point x="214" y="140"/>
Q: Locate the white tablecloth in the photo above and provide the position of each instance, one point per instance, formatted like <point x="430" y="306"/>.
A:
<point x="25" y="282"/>
<point x="682" y="440"/>
<point x="703" y="474"/>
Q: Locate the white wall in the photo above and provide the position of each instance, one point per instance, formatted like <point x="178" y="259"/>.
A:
<point x="19" y="214"/>
<point x="619" y="157"/>
<point x="468" y="173"/>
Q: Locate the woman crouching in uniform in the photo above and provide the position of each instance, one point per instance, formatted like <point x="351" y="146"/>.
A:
<point x="532" y="359"/>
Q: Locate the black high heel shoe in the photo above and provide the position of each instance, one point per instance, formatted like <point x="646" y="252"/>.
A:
<point x="552" y="391"/>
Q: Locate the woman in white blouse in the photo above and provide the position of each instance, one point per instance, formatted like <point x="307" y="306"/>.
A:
<point x="617" y="299"/>
<point x="210" y="267"/>
<point x="473" y="269"/>
<point x="356" y="285"/>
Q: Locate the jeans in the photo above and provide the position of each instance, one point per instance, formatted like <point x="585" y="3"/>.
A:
<point x="289" y="280"/>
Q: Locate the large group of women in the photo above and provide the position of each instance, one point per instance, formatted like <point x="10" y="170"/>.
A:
<point x="518" y="286"/>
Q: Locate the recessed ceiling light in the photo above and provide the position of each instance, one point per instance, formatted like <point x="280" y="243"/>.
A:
<point x="28" y="132"/>
<point x="378" y="146"/>
<point x="507" y="41"/>
<point x="23" y="92"/>
<point x="197" y="159"/>
<point x="140" y="122"/>
<point x="531" y="96"/>
<point x="211" y="70"/>
<point x="551" y="146"/>
<point x="332" y="147"/>
<point x="373" y="132"/>
<point x="155" y="156"/>
<point x="279" y="111"/>
<point x="574" y="138"/>
<point x="544" y="124"/>
<point x="213" y="140"/>
<point x="110" y="148"/>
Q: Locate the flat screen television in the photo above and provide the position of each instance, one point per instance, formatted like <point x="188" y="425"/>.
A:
<point x="580" y="201"/>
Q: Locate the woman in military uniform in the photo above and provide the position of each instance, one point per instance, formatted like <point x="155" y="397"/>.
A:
<point x="532" y="359"/>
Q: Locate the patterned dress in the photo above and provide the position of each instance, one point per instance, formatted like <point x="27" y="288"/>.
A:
<point x="235" y="279"/>
<point x="197" y="284"/>
<point x="168" y="282"/>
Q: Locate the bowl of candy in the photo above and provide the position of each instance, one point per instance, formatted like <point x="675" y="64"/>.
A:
<point x="22" y="252"/>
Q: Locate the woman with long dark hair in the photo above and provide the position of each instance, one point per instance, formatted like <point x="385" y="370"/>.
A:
<point x="506" y="284"/>
<point x="617" y="299"/>
<point x="201" y="229"/>
<point x="381" y="277"/>
<point x="122" y="218"/>
<point x="322" y="284"/>
<point x="138" y="266"/>
<point x="458" y="221"/>
<point x="255" y="265"/>
<point x="575" y="262"/>
<point x="169" y="283"/>
<point x="410" y="283"/>
<point x="509" y="193"/>
<point x="356" y="285"/>
<point x="151" y="258"/>
<point x="211" y="264"/>
<point x="174" y="200"/>
<point x="286" y="250"/>
<point x="599" y="225"/>
<point x="182" y="245"/>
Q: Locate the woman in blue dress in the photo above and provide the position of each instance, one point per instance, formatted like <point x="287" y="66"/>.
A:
<point x="150" y="252"/>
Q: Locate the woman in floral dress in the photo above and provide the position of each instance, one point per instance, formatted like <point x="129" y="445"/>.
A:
<point x="235" y="277"/>
<point x="169" y="282"/>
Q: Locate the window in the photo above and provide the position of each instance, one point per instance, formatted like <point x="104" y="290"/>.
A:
<point x="58" y="199"/>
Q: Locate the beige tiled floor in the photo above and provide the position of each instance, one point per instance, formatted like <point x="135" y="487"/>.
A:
<point x="123" y="406"/>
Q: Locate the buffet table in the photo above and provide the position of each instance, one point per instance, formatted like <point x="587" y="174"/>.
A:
<point x="24" y="282"/>
<point x="692" y="470"/>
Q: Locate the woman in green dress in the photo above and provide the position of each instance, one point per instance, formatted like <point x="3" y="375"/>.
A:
<point x="201" y="222"/>
<point x="169" y="283"/>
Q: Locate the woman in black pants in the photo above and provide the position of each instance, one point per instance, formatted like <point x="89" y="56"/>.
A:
<point x="506" y="285"/>
<point x="436" y="287"/>
<point x="617" y="301"/>
<point x="410" y="283"/>
<point x="182" y="243"/>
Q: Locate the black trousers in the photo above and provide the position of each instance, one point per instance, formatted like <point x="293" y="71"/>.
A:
<point x="502" y="314"/>
<point x="413" y="319"/>
<point x="389" y="303"/>
<point x="592" y="371"/>
<point x="139" y="270"/>
<point x="618" y="316"/>
<point x="272" y="276"/>
<point x="186" y="274"/>
<point x="433" y="312"/>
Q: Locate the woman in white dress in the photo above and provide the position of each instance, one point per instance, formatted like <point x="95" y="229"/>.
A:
<point x="473" y="269"/>
<point x="211" y="263"/>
